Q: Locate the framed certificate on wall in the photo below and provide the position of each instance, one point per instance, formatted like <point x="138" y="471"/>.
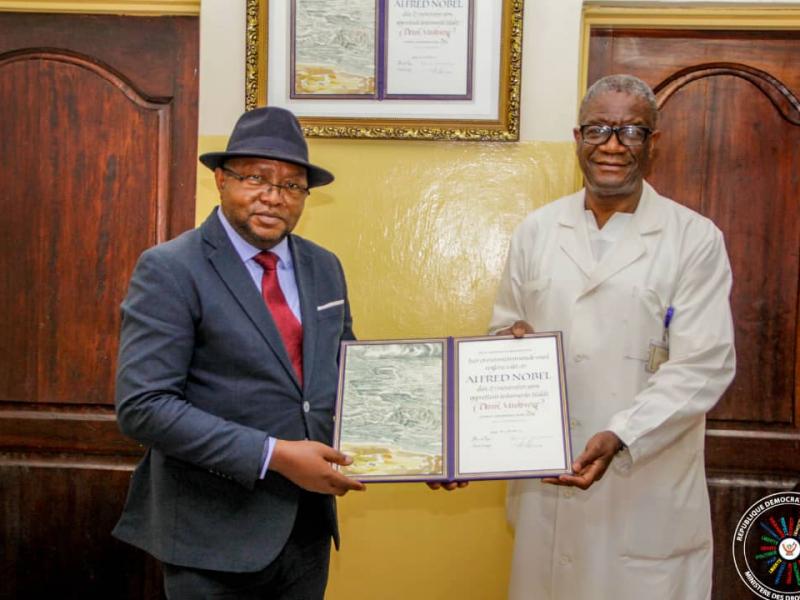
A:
<point x="451" y="409"/>
<point x="397" y="50"/>
<point x="402" y="69"/>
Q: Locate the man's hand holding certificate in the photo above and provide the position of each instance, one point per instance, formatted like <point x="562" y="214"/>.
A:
<point x="453" y="409"/>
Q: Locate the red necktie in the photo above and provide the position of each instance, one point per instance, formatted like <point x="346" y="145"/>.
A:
<point x="290" y="328"/>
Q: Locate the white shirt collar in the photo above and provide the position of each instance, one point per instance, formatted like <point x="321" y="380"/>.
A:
<point x="247" y="251"/>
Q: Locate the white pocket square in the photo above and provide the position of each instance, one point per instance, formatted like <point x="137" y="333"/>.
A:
<point x="331" y="304"/>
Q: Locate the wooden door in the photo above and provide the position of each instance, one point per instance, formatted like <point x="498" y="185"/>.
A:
<point x="98" y="149"/>
<point x="730" y="149"/>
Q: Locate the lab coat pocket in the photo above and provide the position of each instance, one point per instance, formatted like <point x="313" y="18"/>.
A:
<point x="533" y="295"/>
<point x="668" y="530"/>
<point x="644" y="321"/>
<point x="665" y="520"/>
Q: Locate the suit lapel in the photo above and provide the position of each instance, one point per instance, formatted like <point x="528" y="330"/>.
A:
<point x="230" y="269"/>
<point x="307" y="289"/>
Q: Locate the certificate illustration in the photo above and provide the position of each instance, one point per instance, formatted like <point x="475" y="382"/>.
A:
<point x="334" y="44"/>
<point x="448" y="409"/>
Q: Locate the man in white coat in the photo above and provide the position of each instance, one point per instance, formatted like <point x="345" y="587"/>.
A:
<point x="640" y="287"/>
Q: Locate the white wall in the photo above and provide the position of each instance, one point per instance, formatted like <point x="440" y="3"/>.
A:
<point x="222" y="49"/>
<point x="550" y="59"/>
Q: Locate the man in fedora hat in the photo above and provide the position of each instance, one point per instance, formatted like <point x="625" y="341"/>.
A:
<point x="227" y="374"/>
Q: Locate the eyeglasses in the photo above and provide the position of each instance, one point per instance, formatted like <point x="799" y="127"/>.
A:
<point x="287" y="191"/>
<point x="627" y="135"/>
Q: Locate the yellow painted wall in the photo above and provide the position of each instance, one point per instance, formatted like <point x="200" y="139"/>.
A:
<point x="422" y="230"/>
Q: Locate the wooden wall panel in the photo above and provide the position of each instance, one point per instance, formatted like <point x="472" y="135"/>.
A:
<point x="657" y="54"/>
<point x="76" y="239"/>
<point x="67" y="551"/>
<point x="733" y="131"/>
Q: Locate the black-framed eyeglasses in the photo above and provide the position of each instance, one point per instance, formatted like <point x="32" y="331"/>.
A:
<point x="290" y="191"/>
<point x="627" y="135"/>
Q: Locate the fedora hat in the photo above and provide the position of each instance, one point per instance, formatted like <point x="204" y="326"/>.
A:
<point x="269" y="132"/>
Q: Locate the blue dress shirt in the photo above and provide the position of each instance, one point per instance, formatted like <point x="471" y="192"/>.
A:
<point x="287" y="282"/>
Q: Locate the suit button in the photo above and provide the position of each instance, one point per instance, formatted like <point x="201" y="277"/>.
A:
<point x="306" y="406"/>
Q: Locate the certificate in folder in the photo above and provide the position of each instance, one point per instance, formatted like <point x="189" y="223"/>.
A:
<point x="450" y="409"/>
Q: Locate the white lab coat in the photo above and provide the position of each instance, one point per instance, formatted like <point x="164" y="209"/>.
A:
<point x="644" y="530"/>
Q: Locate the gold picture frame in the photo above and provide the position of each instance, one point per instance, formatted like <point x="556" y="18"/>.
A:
<point x="504" y="126"/>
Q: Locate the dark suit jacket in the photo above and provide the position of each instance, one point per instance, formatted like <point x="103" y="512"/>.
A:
<point x="203" y="379"/>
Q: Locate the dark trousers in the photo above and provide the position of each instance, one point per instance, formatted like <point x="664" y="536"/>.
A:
<point x="300" y="572"/>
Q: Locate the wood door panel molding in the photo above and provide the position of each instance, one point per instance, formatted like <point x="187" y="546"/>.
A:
<point x="716" y="131"/>
<point x="64" y="285"/>
<point x="781" y="97"/>
<point x="748" y="486"/>
<point x="30" y="459"/>
<point x="160" y="106"/>
<point x="621" y="50"/>
<point x="54" y="430"/>
<point x="158" y="80"/>
<point x="754" y="452"/>
<point x="145" y="54"/>
<point x="101" y="69"/>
